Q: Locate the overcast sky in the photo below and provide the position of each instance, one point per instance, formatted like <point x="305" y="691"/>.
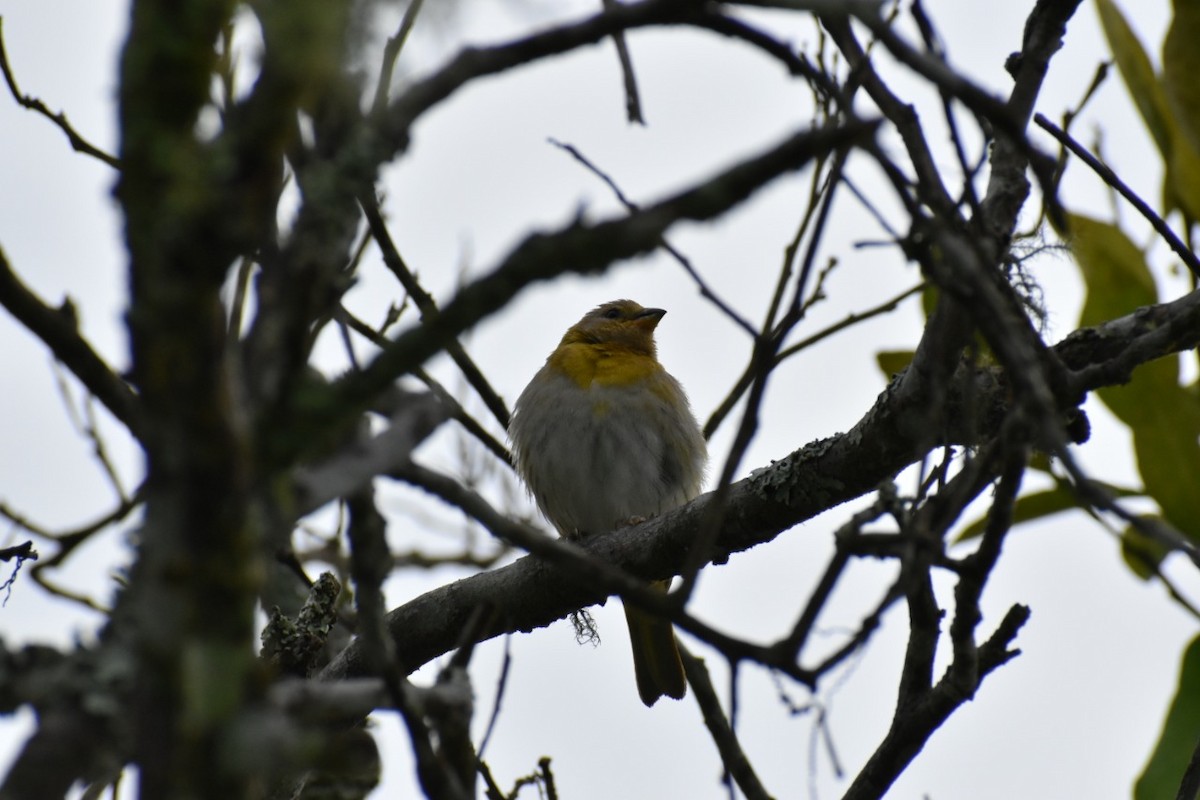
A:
<point x="1075" y="715"/>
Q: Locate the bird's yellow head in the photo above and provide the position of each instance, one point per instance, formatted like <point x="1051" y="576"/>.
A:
<point x="620" y="325"/>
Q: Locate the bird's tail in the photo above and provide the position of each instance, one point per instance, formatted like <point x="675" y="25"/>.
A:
<point x="655" y="657"/>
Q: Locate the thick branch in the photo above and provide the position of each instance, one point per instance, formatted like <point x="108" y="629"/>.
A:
<point x="189" y="606"/>
<point x="531" y="593"/>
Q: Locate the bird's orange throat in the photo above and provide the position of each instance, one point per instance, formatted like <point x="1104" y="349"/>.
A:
<point x="603" y="365"/>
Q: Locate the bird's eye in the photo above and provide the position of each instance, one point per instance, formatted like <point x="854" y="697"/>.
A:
<point x="612" y="313"/>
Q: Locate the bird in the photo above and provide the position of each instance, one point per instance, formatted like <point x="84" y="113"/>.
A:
<point x="603" y="436"/>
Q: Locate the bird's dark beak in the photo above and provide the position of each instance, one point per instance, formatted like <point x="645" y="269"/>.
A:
<point x="648" y="318"/>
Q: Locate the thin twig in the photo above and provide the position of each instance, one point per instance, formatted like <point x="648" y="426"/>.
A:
<point x="679" y="257"/>
<point x="633" y="103"/>
<point x="100" y="449"/>
<point x="428" y="308"/>
<point x="87" y="425"/>
<point x="391" y="51"/>
<point x="933" y="43"/>
<point x="866" y="629"/>
<point x="850" y="320"/>
<point x="1069" y="117"/>
<point x="78" y="143"/>
<point x="501" y="685"/>
<point x="794" y="643"/>
<point x="818" y="187"/>
<point x="737" y="765"/>
<point x="68" y="541"/>
<point x="456" y="409"/>
<point x="370" y="562"/>
<point x="799" y="305"/>
<point x="743" y="382"/>
<point x="1110" y="177"/>
<point x="796" y="63"/>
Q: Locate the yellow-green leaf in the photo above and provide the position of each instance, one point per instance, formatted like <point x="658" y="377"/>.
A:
<point x="1039" y="505"/>
<point x="1181" y="66"/>
<point x="1160" y="101"/>
<point x="1181" y="183"/>
<point x="893" y="361"/>
<point x="1161" y="777"/>
<point x="1118" y="281"/>
<point x="1141" y="554"/>
<point x="1114" y="269"/>
<point x="1162" y="415"/>
<point x="1028" y="507"/>
<point x="1168" y="454"/>
<point x="1137" y="72"/>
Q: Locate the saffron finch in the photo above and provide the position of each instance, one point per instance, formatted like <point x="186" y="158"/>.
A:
<point x="603" y="436"/>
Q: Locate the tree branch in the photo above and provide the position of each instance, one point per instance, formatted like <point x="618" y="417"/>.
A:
<point x="582" y="248"/>
<point x="59" y="330"/>
<point x="532" y="593"/>
<point x="415" y="417"/>
<point x="737" y="765"/>
<point x="78" y="143"/>
<point x="471" y="63"/>
<point x="1109" y="177"/>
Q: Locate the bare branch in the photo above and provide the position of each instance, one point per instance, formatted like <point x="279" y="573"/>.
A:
<point x="415" y="416"/>
<point x="391" y="52"/>
<point x="737" y="765"/>
<point x="428" y="308"/>
<point x="473" y="63"/>
<point x="78" y="143"/>
<point x="58" y="329"/>
<point x="633" y="103"/>
<point x="680" y="258"/>
<point x="1108" y="176"/>
<point x="581" y="248"/>
<point x="20" y="551"/>
<point x="819" y="476"/>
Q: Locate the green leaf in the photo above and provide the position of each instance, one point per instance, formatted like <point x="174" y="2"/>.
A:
<point x="1141" y="554"/>
<point x="1039" y="505"/>
<point x="893" y="361"/>
<point x="1162" y="103"/>
<point x="1118" y="281"/>
<point x="1113" y="267"/>
<point x="1138" y="73"/>
<point x="1028" y="507"/>
<point x="1161" y="777"/>
<point x="1168" y="454"/>
<point x="1181" y="65"/>
<point x="1163" y="416"/>
<point x="1181" y="184"/>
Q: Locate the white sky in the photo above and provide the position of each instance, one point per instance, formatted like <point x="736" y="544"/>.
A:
<point x="1075" y="715"/>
